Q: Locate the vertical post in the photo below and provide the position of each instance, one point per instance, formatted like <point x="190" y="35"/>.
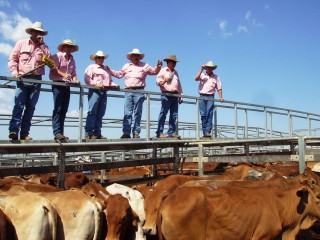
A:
<point x="302" y="148"/>
<point x="123" y="156"/>
<point x="309" y="125"/>
<point x="215" y="127"/>
<point x="177" y="160"/>
<point x="236" y="121"/>
<point x="55" y="159"/>
<point x="103" y="171"/>
<point x="271" y="128"/>
<point x="154" y="167"/>
<point x="246" y="124"/>
<point x="148" y="118"/>
<point x="200" y="160"/>
<point x="61" y="166"/>
<point x="265" y="123"/>
<point x="289" y="124"/>
<point x="23" y="162"/>
<point x="198" y="119"/>
<point x="80" y="115"/>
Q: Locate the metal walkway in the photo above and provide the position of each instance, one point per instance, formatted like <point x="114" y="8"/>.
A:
<point x="206" y="151"/>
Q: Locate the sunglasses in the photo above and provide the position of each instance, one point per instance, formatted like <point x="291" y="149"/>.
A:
<point x="100" y="57"/>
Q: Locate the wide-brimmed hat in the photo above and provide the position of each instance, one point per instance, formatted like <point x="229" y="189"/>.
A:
<point x="69" y="43"/>
<point x="38" y="27"/>
<point x="171" y="58"/>
<point x="98" y="54"/>
<point x="136" y="52"/>
<point x="211" y="65"/>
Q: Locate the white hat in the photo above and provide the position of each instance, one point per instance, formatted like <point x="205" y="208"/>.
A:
<point x="36" y="26"/>
<point x="135" y="51"/>
<point x="98" y="54"/>
<point x="69" y="43"/>
<point x="211" y="64"/>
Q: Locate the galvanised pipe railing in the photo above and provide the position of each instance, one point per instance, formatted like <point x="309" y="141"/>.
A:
<point x="230" y="131"/>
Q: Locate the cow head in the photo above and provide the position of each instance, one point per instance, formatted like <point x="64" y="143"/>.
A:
<point x="121" y="220"/>
<point x="152" y="203"/>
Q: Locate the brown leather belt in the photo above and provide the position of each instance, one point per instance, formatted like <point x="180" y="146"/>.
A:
<point x="135" y="88"/>
<point x="174" y="92"/>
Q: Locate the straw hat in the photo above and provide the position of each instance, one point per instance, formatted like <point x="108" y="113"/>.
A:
<point x="211" y="64"/>
<point x="36" y="26"/>
<point x="69" y="43"/>
<point x="98" y="54"/>
<point x="137" y="52"/>
<point x="171" y="58"/>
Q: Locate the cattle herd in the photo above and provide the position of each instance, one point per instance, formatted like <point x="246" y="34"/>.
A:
<point x="262" y="201"/>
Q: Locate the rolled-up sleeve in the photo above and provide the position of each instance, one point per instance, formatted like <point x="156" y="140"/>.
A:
<point x="160" y="78"/>
<point x="13" y="62"/>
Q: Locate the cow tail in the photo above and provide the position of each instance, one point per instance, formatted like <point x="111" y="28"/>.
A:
<point x="97" y="220"/>
<point x="52" y="220"/>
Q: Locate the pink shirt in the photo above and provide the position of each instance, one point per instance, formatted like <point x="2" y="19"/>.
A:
<point x="135" y="75"/>
<point x="64" y="64"/>
<point x="26" y="56"/>
<point x="173" y="86"/>
<point x="209" y="84"/>
<point x="95" y="74"/>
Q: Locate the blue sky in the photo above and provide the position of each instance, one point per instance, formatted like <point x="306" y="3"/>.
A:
<point x="267" y="51"/>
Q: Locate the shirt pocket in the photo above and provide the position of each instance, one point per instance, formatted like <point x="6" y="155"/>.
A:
<point x="25" y="55"/>
<point x="38" y="56"/>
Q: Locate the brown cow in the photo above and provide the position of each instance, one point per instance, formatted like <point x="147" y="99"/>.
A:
<point x="120" y="220"/>
<point x="235" y="213"/>
<point x="163" y="188"/>
<point x="71" y="179"/>
<point x="21" y="187"/>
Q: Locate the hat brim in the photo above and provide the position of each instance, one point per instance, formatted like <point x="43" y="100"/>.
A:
<point x="93" y="56"/>
<point x="213" y="67"/>
<point x="140" y="54"/>
<point x="29" y="31"/>
<point x="168" y="59"/>
<point x="75" y="47"/>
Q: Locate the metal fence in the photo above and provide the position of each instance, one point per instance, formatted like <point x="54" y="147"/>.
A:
<point x="236" y="125"/>
<point x="231" y="119"/>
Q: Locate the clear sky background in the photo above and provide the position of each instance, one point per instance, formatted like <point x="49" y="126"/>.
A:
<point x="267" y="51"/>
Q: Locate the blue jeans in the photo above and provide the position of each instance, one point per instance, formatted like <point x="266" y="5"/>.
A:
<point x="97" y="108"/>
<point x="133" y="105"/>
<point x="172" y="104"/>
<point x="206" y="113"/>
<point x="25" y="101"/>
<point x="61" y="98"/>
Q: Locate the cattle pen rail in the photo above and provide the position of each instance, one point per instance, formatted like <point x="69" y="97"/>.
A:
<point x="297" y="146"/>
<point x="242" y="132"/>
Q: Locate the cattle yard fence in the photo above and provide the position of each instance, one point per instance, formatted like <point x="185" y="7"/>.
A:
<point x="241" y="132"/>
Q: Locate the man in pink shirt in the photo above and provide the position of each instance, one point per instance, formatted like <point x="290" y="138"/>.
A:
<point x="169" y="82"/>
<point x="65" y="71"/>
<point x="209" y="83"/>
<point x="135" y="73"/>
<point x="26" y="55"/>
<point x="97" y="75"/>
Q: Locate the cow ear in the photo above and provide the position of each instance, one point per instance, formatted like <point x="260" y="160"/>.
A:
<point x="104" y="196"/>
<point x="165" y="194"/>
<point x="302" y="191"/>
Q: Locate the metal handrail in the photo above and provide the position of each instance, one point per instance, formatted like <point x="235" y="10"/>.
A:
<point x="235" y="129"/>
